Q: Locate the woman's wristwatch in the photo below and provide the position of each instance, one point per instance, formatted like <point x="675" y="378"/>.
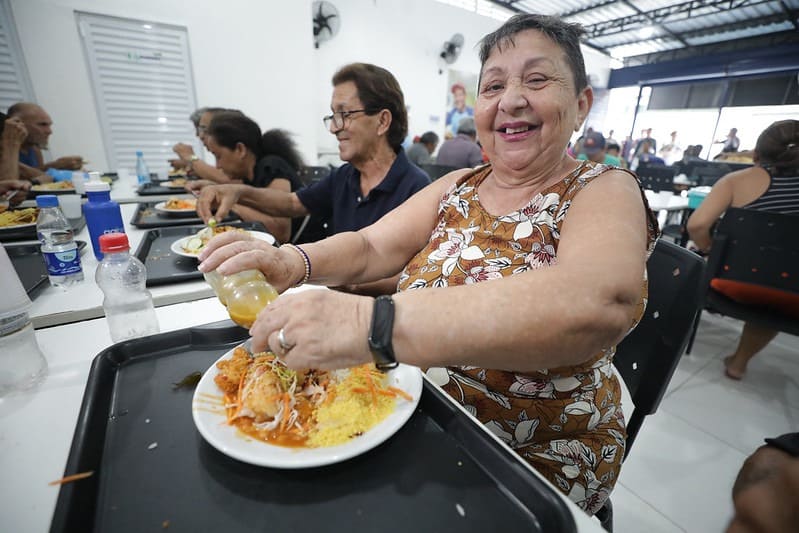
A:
<point x="192" y="159"/>
<point x="380" y="334"/>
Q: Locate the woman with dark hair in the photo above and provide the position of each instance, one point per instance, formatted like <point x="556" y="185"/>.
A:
<point x="268" y="161"/>
<point x="772" y="184"/>
<point x="518" y="278"/>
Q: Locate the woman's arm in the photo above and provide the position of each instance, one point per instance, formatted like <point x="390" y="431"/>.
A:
<point x="217" y="200"/>
<point x="280" y="227"/>
<point x="718" y="200"/>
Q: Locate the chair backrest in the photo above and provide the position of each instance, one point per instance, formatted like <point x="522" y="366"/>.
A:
<point x="707" y="174"/>
<point x="310" y="174"/>
<point x="648" y="356"/>
<point x="656" y="177"/>
<point x="436" y="171"/>
<point x="311" y="228"/>
<point x="759" y="247"/>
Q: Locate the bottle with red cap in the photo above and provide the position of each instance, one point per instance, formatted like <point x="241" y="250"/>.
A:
<point x="122" y="277"/>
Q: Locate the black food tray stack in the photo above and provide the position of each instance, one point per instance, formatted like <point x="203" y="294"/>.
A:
<point x="440" y="472"/>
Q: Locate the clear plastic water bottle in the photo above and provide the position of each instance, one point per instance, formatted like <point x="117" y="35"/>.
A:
<point x="142" y="172"/>
<point x="122" y="277"/>
<point x="59" y="250"/>
<point x="103" y="215"/>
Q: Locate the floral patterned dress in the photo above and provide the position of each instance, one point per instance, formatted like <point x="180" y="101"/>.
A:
<point x="566" y="422"/>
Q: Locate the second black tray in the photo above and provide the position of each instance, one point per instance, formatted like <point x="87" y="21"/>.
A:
<point x="440" y="472"/>
<point x="28" y="231"/>
<point x="163" y="265"/>
<point x="147" y="217"/>
<point x="158" y="188"/>
<point x="28" y="262"/>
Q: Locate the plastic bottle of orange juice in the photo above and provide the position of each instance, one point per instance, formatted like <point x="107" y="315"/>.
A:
<point x="244" y="294"/>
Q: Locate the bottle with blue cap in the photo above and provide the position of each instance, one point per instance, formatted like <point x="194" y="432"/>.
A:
<point x="103" y="215"/>
<point x="142" y="172"/>
<point x="59" y="249"/>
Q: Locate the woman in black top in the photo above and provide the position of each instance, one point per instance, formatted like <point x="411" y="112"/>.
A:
<point x="269" y="160"/>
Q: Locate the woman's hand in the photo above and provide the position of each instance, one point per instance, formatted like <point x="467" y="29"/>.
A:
<point x="322" y="329"/>
<point x="235" y="251"/>
<point x="197" y="185"/>
<point x="7" y="186"/>
<point x="68" y="162"/>
<point x="219" y="197"/>
<point x="184" y="151"/>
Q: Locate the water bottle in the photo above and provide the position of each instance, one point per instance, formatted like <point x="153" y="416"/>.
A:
<point x="244" y="294"/>
<point x="58" y="244"/>
<point x="122" y="277"/>
<point x="142" y="172"/>
<point x="103" y="215"/>
<point x="22" y="363"/>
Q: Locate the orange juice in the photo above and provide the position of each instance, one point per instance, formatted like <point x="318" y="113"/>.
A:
<point x="247" y="300"/>
<point x="227" y="284"/>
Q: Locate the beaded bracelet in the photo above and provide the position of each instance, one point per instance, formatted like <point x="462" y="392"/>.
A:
<point x="305" y="259"/>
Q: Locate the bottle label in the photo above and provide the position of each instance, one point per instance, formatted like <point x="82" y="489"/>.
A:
<point x="62" y="263"/>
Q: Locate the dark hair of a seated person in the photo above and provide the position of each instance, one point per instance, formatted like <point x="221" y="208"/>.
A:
<point x="228" y="128"/>
<point x="3" y="118"/>
<point x="612" y="146"/>
<point x="378" y="89"/>
<point x="777" y="148"/>
<point x="429" y="137"/>
<point x="564" y="34"/>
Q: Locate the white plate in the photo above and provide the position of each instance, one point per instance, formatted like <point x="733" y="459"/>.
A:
<point x="177" y="246"/>
<point x="161" y="206"/>
<point x="210" y="421"/>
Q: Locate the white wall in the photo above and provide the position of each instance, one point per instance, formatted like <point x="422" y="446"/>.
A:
<point x="252" y="55"/>
<point x="258" y="56"/>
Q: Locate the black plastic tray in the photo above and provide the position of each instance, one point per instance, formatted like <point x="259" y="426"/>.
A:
<point x="163" y="265"/>
<point x="147" y="217"/>
<point x="157" y="188"/>
<point x="28" y="233"/>
<point x="29" y="264"/>
<point x="439" y="462"/>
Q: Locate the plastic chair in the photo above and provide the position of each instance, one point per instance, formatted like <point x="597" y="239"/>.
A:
<point x="436" y="171"/>
<point x="647" y="357"/>
<point x="756" y="247"/>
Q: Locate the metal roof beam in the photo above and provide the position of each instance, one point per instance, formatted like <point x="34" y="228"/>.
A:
<point x="792" y="15"/>
<point x="653" y="21"/>
<point x="508" y="4"/>
<point x="664" y="14"/>
<point x="586" y="9"/>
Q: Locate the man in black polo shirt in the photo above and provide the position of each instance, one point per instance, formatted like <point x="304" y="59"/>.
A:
<point x="370" y="121"/>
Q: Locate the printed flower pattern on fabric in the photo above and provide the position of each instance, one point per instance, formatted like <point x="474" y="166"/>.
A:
<point x="567" y="422"/>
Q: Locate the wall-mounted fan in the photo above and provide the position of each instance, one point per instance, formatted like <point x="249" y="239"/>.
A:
<point x="326" y="22"/>
<point x="450" y="52"/>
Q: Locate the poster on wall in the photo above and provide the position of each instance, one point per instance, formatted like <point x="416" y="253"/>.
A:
<point x="460" y="99"/>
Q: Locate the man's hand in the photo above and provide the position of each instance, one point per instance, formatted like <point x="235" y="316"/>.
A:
<point x="14" y="133"/>
<point x="68" y="162"/>
<point x="219" y="197"/>
<point x="7" y="186"/>
<point x="184" y="151"/>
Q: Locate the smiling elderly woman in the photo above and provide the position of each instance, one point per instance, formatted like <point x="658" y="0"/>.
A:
<point x="531" y="270"/>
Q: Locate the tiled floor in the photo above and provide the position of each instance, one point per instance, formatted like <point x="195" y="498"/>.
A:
<point x="681" y="468"/>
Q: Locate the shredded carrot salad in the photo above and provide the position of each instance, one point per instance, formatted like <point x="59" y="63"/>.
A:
<point x="266" y="400"/>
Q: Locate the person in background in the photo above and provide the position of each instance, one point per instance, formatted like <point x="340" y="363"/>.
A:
<point x="370" y="121"/>
<point x="190" y="161"/>
<point x="7" y="186"/>
<point x="765" y="494"/>
<point x="671" y="152"/>
<point x="614" y="150"/>
<point x="646" y="155"/>
<point x="12" y="135"/>
<point x="731" y="142"/>
<point x="459" y="109"/>
<point x="772" y="184"/>
<point x="461" y="151"/>
<point x="268" y="161"/>
<point x="519" y="277"/>
<point x="38" y="124"/>
<point x="641" y="148"/>
<point x="594" y="150"/>
<point x="610" y="140"/>
<point x="421" y="152"/>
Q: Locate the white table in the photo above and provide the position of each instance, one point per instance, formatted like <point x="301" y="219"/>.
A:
<point x="84" y="301"/>
<point x="37" y="426"/>
<point x="666" y="202"/>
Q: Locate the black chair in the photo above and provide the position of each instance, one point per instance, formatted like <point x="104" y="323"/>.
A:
<point x="759" y="248"/>
<point x="436" y="171"/>
<point x="311" y="174"/>
<point x="656" y="177"/>
<point x="647" y="357"/>
<point x="312" y="228"/>
<point x="707" y="174"/>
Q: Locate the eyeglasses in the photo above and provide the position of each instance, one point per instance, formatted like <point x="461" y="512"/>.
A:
<point x="339" y="117"/>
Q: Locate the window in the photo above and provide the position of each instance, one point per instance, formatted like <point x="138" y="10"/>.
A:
<point x="143" y="85"/>
<point x="15" y="85"/>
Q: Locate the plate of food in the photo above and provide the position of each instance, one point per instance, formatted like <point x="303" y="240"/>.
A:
<point x="175" y="183"/>
<point x="192" y="245"/>
<point x="256" y="410"/>
<point x="177" y="206"/>
<point x="56" y="186"/>
<point x="18" y="218"/>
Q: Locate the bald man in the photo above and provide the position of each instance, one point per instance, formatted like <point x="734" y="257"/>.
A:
<point x="39" y="126"/>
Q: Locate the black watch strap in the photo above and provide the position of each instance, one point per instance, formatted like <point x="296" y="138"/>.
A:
<point x="380" y="333"/>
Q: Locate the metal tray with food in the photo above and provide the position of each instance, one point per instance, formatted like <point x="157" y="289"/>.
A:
<point x="146" y="467"/>
<point x="163" y="264"/>
<point x="28" y="262"/>
<point x="20" y="224"/>
<point x="147" y="216"/>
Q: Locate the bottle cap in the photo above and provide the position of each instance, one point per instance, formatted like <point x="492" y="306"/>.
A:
<point x="113" y="242"/>
<point x="46" y="200"/>
<point x="15" y="300"/>
<point x="97" y="186"/>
